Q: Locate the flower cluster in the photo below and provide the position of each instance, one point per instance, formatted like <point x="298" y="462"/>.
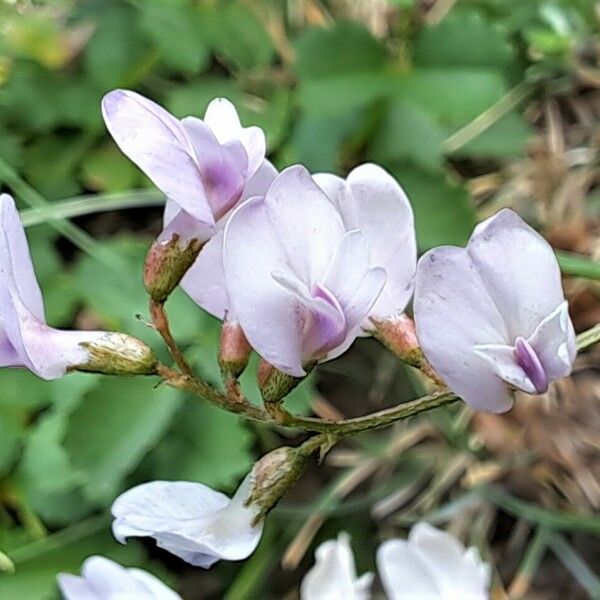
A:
<point x="297" y="266"/>
<point x="429" y="565"/>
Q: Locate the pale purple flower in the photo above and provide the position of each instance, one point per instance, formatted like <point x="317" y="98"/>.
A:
<point x="104" y="579"/>
<point x="333" y="577"/>
<point x="372" y="201"/>
<point x="493" y="315"/>
<point x="25" y="338"/>
<point x="202" y="166"/>
<point x="299" y="283"/>
<point x="190" y="520"/>
<point x="432" y="565"/>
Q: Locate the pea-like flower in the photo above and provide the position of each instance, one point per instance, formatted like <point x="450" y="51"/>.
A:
<point x="432" y="565"/>
<point x="25" y="338"/>
<point x="190" y="520"/>
<point x="104" y="579"/>
<point x="492" y="316"/>
<point x="202" y="166"/>
<point x="333" y="576"/>
<point x="299" y="282"/>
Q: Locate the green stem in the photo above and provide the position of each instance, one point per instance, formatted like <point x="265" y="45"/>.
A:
<point x="588" y="338"/>
<point x="578" y="265"/>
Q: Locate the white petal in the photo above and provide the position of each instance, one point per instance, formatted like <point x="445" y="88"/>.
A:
<point x="204" y="282"/>
<point x="109" y="579"/>
<point x="190" y="520"/>
<point x="445" y="558"/>
<point x="403" y="574"/>
<point x="267" y="312"/>
<point x="554" y="342"/>
<point x="306" y="223"/>
<point x="154" y="585"/>
<point x="502" y="361"/>
<point x="221" y="116"/>
<point x="453" y="313"/>
<point x="378" y="207"/>
<point x="156" y="142"/>
<point x="519" y="269"/>
<point x="73" y="587"/>
<point x="260" y="182"/>
<point x="333" y="577"/>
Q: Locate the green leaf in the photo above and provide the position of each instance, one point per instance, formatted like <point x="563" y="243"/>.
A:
<point x="116" y="48"/>
<point x="107" y="170"/>
<point x="443" y="213"/>
<point x="205" y="444"/>
<point x="238" y="36"/>
<point x="447" y="44"/>
<point x="177" y="33"/>
<point x="345" y="47"/>
<point x="113" y="429"/>
<point x="408" y="133"/>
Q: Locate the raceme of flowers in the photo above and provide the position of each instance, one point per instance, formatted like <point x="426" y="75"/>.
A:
<point x="429" y="565"/>
<point x="298" y="265"/>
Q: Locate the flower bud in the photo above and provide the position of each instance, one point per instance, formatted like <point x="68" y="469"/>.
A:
<point x="166" y="263"/>
<point x="118" y="354"/>
<point x="234" y="351"/>
<point x="274" y="385"/>
<point x="273" y="475"/>
<point x="399" y="336"/>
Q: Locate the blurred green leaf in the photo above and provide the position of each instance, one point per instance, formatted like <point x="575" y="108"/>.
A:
<point x="105" y="169"/>
<point x="113" y="428"/>
<point x="345" y="47"/>
<point x="446" y="44"/>
<point x="443" y="213"/>
<point x="204" y="444"/>
<point x="176" y="30"/>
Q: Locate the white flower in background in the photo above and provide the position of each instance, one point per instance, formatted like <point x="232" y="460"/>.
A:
<point x="190" y="520"/>
<point x="104" y="579"/>
<point x="494" y="315"/>
<point x="333" y="576"/>
<point x="432" y="565"/>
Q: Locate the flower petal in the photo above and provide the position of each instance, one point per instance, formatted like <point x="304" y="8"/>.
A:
<point x="378" y="206"/>
<point x="223" y="168"/>
<point x="157" y="589"/>
<point x="307" y="225"/>
<point x="109" y="579"/>
<point x="403" y="574"/>
<point x="221" y="116"/>
<point x="156" y="142"/>
<point x="189" y="519"/>
<point x="444" y="556"/>
<point x="501" y="360"/>
<point x="333" y="577"/>
<point x="204" y="282"/>
<point x="73" y="587"/>
<point x="454" y="313"/>
<point x="520" y="271"/>
<point x="554" y="342"/>
<point x="267" y="312"/>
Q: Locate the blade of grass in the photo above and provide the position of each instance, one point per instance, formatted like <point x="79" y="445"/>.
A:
<point x="74" y="234"/>
<point x="86" y="205"/>
<point x="542" y="516"/>
<point x="573" y="562"/>
<point x="530" y="564"/>
<point x="577" y="265"/>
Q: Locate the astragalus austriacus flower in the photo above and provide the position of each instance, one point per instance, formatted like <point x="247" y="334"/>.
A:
<point x="204" y="167"/>
<point x="299" y="282"/>
<point x="333" y="577"/>
<point x="190" y="520"/>
<point x="493" y="315"/>
<point x="104" y="579"/>
<point x="25" y="338"/>
<point x="431" y="565"/>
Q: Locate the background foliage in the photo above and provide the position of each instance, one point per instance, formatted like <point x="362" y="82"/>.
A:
<point x="436" y="92"/>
